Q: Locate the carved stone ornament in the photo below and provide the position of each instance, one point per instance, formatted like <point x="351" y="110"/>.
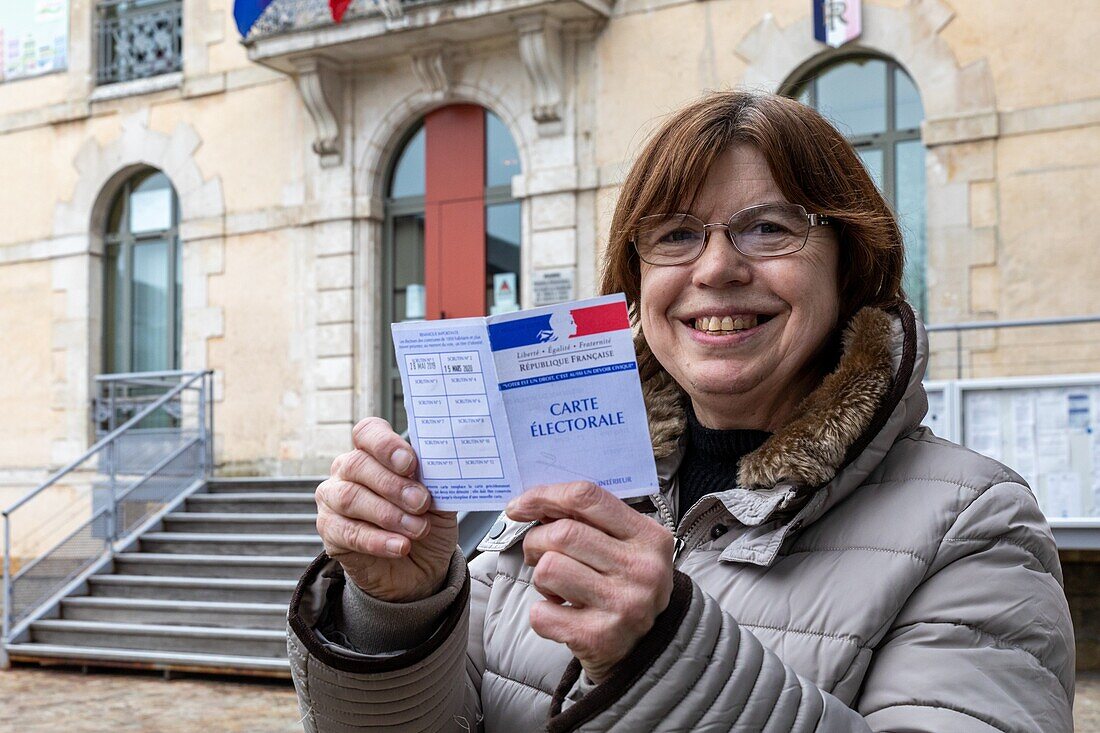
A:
<point x="434" y="67"/>
<point x="322" y="88"/>
<point x="541" y="50"/>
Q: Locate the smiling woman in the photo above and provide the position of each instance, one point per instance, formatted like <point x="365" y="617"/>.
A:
<point x="814" y="560"/>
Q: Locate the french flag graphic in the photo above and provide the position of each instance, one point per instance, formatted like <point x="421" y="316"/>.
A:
<point x="558" y="326"/>
<point x="837" y="21"/>
<point x="600" y="319"/>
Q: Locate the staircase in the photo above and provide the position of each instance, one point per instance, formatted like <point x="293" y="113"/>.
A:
<point x="206" y="591"/>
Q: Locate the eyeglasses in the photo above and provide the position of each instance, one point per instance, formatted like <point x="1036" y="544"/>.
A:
<point x="767" y="230"/>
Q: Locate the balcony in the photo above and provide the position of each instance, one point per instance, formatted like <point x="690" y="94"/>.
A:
<point x="299" y="38"/>
<point x="138" y="39"/>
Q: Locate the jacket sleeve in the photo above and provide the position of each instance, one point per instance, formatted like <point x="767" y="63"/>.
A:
<point x="362" y="664"/>
<point x="983" y="644"/>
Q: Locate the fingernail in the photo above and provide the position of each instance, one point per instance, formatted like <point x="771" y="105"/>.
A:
<point x="394" y="546"/>
<point x="415" y="525"/>
<point x="401" y="459"/>
<point x="414" y="497"/>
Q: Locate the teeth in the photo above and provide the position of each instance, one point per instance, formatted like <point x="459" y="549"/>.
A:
<point x="725" y="323"/>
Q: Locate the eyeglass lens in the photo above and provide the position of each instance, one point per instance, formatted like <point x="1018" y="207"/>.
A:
<point x="769" y="230"/>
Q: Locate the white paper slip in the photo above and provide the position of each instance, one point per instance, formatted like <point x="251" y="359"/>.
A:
<point x="501" y="404"/>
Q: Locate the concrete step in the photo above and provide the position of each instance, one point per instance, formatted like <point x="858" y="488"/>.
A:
<point x="226" y="590"/>
<point x="161" y="638"/>
<point x="158" y="660"/>
<point x="260" y="501"/>
<point x="212" y="566"/>
<point x="162" y="611"/>
<point x="235" y="523"/>
<point x="263" y="485"/>
<point x="195" y="543"/>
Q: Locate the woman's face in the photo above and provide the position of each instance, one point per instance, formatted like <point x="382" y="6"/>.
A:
<point x="753" y="377"/>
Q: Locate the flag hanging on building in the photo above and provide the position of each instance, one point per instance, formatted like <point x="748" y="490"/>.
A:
<point x="338" y="8"/>
<point x="247" y="12"/>
<point x="837" y="21"/>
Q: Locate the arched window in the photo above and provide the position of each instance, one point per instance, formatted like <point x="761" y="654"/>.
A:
<point x="876" y="105"/>
<point x="452" y="227"/>
<point x="142" y="277"/>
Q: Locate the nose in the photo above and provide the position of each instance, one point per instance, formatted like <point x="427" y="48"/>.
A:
<point x="721" y="263"/>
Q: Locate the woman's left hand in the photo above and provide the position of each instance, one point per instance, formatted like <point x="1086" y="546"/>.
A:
<point x="611" y="564"/>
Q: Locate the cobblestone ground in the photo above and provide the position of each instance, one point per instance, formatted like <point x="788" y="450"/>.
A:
<point x="34" y="700"/>
<point x="41" y="700"/>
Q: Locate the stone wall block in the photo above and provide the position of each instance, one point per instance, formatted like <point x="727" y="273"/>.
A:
<point x="335" y="339"/>
<point x="332" y="238"/>
<point x="64" y="450"/>
<point x="333" y="372"/>
<point x="552" y="211"/>
<point x="182" y="144"/>
<point x="329" y="441"/>
<point x="983" y="246"/>
<point x="202" y="228"/>
<point x="334" y="272"/>
<point x="335" y="407"/>
<point x="334" y="306"/>
<point x="555" y="248"/>
<point x="947" y="205"/>
<point x="964" y="128"/>
<point x="948" y="274"/>
<point x="67" y="333"/>
<point x="983" y="204"/>
<point x="985" y="286"/>
<point x="207" y="197"/>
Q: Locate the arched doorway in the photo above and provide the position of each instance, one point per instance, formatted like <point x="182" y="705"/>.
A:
<point x="452" y="227"/>
<point x="874" y="102"/>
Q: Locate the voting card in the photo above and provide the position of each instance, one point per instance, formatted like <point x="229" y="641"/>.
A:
<point x="498" y="405"/>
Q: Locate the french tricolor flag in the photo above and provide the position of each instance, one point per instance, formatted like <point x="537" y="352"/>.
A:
<point x="247" y="12"/>
<point x="837" y="21"/>
<point x="559" y="326"/>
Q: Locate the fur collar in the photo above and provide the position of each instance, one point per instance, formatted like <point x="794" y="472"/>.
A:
<point x="831" y="420"/>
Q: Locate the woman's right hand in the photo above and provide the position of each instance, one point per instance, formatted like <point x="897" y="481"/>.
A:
<point x="377" y="522"/>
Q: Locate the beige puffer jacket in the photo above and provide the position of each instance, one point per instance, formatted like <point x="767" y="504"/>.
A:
<point x="864" y="576"/>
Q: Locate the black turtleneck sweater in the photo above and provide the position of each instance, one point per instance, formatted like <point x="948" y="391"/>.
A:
<point x="710" y="461"/>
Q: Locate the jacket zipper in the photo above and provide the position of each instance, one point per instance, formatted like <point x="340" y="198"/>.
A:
<point x="669" y="520"/>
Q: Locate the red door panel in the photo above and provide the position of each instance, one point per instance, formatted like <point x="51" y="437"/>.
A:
<point x="454" y="246"/>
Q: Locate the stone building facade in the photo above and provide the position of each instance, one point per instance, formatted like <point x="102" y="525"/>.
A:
<point x="281" y="150"/>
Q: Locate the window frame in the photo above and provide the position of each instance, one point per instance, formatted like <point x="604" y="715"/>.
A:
<point x="886" y="142"/>
<point x="121" y="244"/>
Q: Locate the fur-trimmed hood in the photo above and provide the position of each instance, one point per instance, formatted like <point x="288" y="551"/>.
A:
<point x="842" y="429"/>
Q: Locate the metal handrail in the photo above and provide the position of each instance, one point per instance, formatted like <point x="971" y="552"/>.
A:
<point x="153" y="471"/>
<point x="205" y="416"/>
<point x="123" y="376"/>
<point x="129" y="490"/>
<point x="1019" y="323"/>
<point x="99" y="444"/>
<point x="959" y="328"/>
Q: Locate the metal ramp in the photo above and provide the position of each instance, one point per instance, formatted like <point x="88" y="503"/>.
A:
<point x="205" y="589"/>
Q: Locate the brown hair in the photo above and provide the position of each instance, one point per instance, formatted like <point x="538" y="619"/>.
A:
<point x="813" y="165"/>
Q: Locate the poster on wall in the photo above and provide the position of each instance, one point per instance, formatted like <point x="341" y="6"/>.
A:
<point x="1049" y="435"/>
<point x="34" y="38"/>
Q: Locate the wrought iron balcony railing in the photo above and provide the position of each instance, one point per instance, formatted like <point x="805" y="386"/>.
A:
<point x="138" y="39"/>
